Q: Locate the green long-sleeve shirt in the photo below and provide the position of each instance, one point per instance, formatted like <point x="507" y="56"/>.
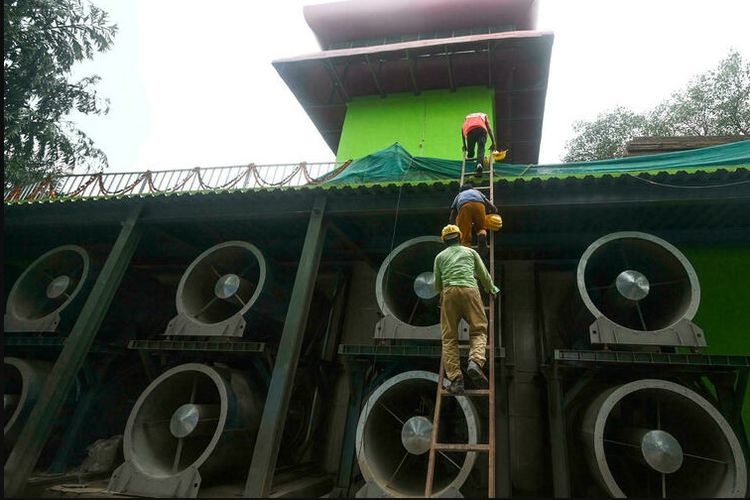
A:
<point x="457" y="265"/>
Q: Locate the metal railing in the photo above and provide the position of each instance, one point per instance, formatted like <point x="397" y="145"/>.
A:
<point x="176" y="181"/>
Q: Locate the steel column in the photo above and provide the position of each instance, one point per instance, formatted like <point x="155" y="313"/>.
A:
<point x="525" y="393"/>
<point x="503" y="479"/>
<point x="558" y="437"/>
<point x="348" y="453"/>
<point x="79" y="419"/>
<point x="34" y="435"/>
<point x="265" y="454"/>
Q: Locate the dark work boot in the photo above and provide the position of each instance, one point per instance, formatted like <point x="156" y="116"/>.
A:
<point x="479" y="169"/>
<point x="455" y="387"/>
<point x="482" y="246"/>
<point x="477" y="375"/>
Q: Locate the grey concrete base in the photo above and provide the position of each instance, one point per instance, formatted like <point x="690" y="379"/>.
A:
<point x="45" y="324"/>
<point x="371" y="490"/>
<point x="391" y="328"/>
<point x="182" y="325"/>
<point x="683" y="333"/>
<point x="128" y="480"/>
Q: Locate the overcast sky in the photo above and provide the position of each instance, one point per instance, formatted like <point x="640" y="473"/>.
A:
<point x="191" y="82"/>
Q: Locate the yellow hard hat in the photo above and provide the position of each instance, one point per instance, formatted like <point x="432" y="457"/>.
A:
<point x="499" y="155"/>
<point x="493" y="222"/>
<point x="450" y="229"/>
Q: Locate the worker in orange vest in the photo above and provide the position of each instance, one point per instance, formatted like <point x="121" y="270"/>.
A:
<point x="474" y="132"/>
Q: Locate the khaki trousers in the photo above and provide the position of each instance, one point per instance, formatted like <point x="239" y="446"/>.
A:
<point x="471" y="214"/>
<point x="462" y="302"/>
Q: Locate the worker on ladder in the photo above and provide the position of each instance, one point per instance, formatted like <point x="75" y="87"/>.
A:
<point x="474" y="132"/>
<point x="454" y="269"/>
<point x="468" y="211"/>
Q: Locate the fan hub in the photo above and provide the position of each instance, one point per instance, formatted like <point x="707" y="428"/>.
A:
<point x="58" y="286"/>
<point x="424" y="285"/>
<point x="189" y="418"/>
<point x="661" y="451"/>
<point x="632" y="285"/>
<point x="227" y="286"/>
<point x="416" y="435"/>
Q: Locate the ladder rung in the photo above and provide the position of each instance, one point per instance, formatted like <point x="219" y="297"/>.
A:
<point x="482" y="188"/>
<point x="469" y="392"/>
<point x="461" y="447"/>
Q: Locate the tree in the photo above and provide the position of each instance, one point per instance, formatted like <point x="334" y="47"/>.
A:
<point x="716" y="102"/>
<point x="42" y="41"/>
<point x="606" y="136"/>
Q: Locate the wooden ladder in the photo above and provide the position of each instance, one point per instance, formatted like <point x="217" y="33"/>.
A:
<point x="488" y="447"/>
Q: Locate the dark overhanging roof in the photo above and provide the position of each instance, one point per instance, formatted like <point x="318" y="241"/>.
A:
<point x="515" y="64"/>
<point x="349" y="21"/>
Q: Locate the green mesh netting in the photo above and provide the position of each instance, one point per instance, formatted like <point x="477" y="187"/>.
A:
<point x="397" y="164"/>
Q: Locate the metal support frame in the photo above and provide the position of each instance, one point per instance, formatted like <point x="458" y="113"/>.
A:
<point x="503" y="478"/>
<point x="730" y="391"/>
<point x="348" y="453"/>
<point x="336" y="81"/>
<point x="450" y="70"/>
<point x="374" y="77"/>
<point x="265" y="454"/>
<point x="34" y="435"/>
<point x="525" y="392"/>
<point x="412" y="73"/>
<point x="558" y="434"/>
<point x="79" y="419"/>
<point x="489" y="65"/>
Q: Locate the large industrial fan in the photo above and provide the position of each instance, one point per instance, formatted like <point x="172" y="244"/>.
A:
<point x="49" y="293"/>
<point x="24" y="381"/>
<point x="192" y="423"/>
<point x="394" y="434"/>
<point x="406" y="294"/>
<point x="654" y="438"/>
<point x="222" y="288"/>
<point x="640" y="290"/>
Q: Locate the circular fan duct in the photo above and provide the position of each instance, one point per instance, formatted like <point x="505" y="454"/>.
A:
<point x="639" y="283"/>
<point x="394" y="434"/>
<point x="46" y="289"/>
<point x="653" y="438"/>
<point x="219" y="288"/>
<point x="406" y="294"/>
<point x="24" y="381"/>
<point x="193" y="417"/>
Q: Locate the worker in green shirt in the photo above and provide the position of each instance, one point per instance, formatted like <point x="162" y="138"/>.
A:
<point x="455" y="268"/>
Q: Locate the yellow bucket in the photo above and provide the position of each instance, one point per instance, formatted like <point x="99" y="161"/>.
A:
<point x="493" y="222"/>
<point x="499" y="155"/>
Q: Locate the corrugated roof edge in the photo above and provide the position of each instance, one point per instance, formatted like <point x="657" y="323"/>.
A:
<point x="342" y="187"/>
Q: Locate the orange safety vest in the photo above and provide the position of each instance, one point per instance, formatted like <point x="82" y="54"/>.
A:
<point x="475" y="120"/>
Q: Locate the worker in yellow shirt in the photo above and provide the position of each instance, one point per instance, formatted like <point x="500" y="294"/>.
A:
<point x="454" y="269"/>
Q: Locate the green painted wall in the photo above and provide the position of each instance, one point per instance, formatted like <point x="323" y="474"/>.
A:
<point x="724" y="312"/>
<point x="428" y="124"/>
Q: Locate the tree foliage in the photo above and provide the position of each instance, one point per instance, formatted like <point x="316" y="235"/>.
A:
<point x="42" y="41"/>
<point x="716" y="102"/>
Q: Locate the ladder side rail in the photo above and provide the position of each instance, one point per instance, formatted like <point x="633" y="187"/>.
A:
<point x="490" y="447"/>
<point x="435" y="426"/>
<point x="491" y="335"/>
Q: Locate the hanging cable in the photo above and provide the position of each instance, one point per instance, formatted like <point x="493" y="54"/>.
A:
<point x="677" y="186"/>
